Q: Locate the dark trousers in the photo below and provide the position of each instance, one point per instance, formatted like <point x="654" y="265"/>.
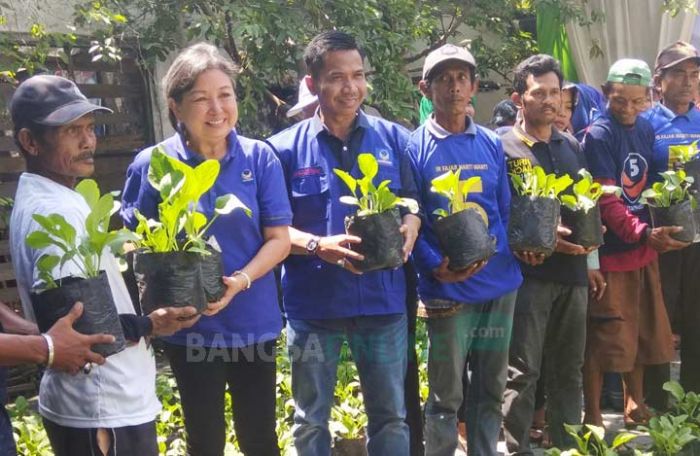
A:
<point x="203" y="375"/>
<point x="128" y="440"/>
<point x="414" y="414"/>
<point x="680" y="273"/>
<point x="7" y="441"/>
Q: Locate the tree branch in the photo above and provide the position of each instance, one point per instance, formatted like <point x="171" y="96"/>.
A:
<point x="440" y="41"/>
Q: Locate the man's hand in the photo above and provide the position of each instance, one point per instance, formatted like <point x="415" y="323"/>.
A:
<point x="169" y="320"/>
<point x="596" y="284"/>
<point x="72" y="349"/>
<point x="531" y="258"/>
<point x="569" y="248"/>
<point x="443" y="274"/>
<point x="660" y="239"/>
<point x="409" y="229"/>
<point x="334" y="250"/>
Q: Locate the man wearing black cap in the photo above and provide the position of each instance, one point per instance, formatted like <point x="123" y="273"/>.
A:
<point x="676" y="122"/>
<point x="109" y="408"/>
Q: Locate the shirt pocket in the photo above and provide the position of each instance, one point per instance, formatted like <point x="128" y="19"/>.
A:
<point x="391" y="174"/>
<point x="310" y="201"/>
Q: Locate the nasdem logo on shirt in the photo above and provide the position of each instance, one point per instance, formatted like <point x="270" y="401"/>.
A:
<point x="247" y="175"/>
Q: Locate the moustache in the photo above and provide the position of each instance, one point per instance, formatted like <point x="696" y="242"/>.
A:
<point x="85" y="156"/>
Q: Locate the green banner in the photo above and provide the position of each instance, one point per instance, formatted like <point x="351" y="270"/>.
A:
<point x="553" y="40"/>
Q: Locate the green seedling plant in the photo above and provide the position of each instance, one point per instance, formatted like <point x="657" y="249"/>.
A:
<point x="456" y="192"/>
<point x="684" y="403"/>
<point x="684" y="153"/>
<point x="371" y="200"/>
<point x="85" y="252"/>
<point x="670" y="434"/>
<point x="180" y="187"/>
<point x="586" y="193"/>
<point x="674" y="189"/>
<point x="590" y="441"/>
<point x="536" y="183"/>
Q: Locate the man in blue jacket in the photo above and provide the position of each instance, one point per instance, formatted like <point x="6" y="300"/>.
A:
<point x="470" y="311"/>
<point x="325" y="299"/>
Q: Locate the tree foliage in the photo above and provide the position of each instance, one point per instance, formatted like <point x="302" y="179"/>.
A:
<point x="266" y="38"/>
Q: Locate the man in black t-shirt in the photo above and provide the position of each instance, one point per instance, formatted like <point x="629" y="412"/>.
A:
<point x="550" y="311"/>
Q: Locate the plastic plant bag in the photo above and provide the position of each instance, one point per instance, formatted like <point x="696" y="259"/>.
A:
<point x="382" y="242"/>
<point x="169" y="279"/>
<point x="99" y="312"/>
<point x="464" y="238"/>
<point x="532" y="226"/>
<point x="676" y="215"/>
<point x="586" y="226"/>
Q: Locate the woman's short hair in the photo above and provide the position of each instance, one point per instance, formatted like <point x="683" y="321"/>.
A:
<point x="186" y="68"/>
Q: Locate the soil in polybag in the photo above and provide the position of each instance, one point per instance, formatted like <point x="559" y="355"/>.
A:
<point x="382" y="242"/>
<point x="99" y="312"/>
<point x="212" y="271"/>
<point x="533" y="224"/>
<point x="170" y="279"/>
<point x="464" y="238"/>
<point x="676" y="215"/>
<point x="586" y="227"/>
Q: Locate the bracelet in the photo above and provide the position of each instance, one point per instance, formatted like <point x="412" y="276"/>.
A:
<point x="248" y="282"/>
<point x="49" y="345"/>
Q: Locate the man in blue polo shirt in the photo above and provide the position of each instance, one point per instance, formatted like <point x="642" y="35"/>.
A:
<point x="676" y="122"/>
<point x="478" y="301"/>
<point x="325" y="299"/>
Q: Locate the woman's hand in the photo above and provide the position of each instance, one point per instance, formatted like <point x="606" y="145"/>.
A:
<point x="234" y="285"/>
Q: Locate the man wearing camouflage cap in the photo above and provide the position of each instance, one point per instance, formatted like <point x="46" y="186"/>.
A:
<point x="628" y="328"/>
<point x="676" y="122"/>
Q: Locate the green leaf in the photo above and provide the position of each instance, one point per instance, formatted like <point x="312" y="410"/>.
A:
<point x="39" y="240"/>
<point x="89" y="191"/>
<point x="347" y="178"/>
<point x="368" y="165"/>
<point x="347" y="199"/>
<point x="226" y="204"/>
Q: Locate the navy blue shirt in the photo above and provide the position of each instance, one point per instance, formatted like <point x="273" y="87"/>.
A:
<point x="623" y="156"/>
<point x="313" y="288"/>
<point x="250" y="171"/>
<point x="476" y="152"/>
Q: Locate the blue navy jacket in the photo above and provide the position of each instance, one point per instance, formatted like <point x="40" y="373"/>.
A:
<point x="313" y="288"/>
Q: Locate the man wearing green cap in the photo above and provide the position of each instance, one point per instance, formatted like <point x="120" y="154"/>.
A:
<point x="676" y="122"/>
<point x="628" y="327"/>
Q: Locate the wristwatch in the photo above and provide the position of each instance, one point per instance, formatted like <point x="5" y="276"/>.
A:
<point x="312" y="245"/>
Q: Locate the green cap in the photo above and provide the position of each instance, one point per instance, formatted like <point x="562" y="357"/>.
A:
<point x="630" y="72"/>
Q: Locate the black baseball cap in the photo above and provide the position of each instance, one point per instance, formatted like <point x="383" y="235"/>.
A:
<point x="49" y="100"/>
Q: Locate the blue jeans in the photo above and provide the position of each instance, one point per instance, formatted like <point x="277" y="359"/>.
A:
<point x="378" y="345"/>
<point x="481" y="331"/>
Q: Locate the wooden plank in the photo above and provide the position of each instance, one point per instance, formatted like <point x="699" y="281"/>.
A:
<point x="4" y="247"/>
<point x="12" y="164"/>
<point x="6" y="272"/>
<point x="115" y="118"/>
<point x="7" y="143"/>
<point x="110" y="91"/>
<point x="9" y="295"/>
<point x="8" y="188"/>
<point x="122" y="143"/>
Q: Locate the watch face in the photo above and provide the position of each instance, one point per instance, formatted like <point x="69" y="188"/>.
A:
<point x="312" y="245"/>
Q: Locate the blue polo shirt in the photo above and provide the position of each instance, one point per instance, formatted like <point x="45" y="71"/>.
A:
<point x="313" y="288"/>
<point x="671" y="130"/>
<point x="250" y="171"/>
<point x="477" y="152"/>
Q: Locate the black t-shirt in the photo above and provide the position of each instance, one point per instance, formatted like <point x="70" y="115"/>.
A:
<point x="561" y="155"/>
